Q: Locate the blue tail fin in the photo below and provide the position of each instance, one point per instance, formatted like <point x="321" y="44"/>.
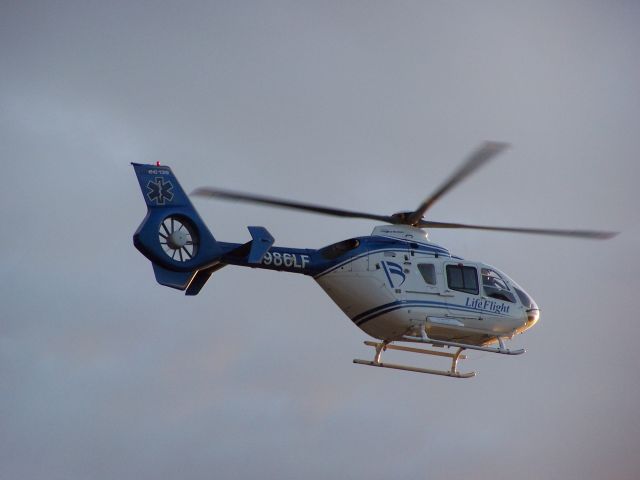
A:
<point x="172" y="235"/>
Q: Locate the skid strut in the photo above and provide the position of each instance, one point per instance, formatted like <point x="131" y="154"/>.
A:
<point x="382" y="346"/>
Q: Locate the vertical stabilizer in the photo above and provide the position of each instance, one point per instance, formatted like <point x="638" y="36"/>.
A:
<point x="172" y="235"/>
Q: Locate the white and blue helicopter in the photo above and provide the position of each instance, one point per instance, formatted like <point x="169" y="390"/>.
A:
<point x="395" y="284"/>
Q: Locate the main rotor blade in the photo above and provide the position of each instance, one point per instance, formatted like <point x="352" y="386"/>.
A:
<point x="277" y="202"/>
<point x="478" y="158"/>
<point x="591" y="234"/>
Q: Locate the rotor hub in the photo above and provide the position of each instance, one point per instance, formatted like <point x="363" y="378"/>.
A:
<point x="178" y="239"/>
<point x="401" y="218"/>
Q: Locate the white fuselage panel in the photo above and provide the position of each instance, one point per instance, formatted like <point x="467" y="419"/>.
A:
<point x="390" y="293"/>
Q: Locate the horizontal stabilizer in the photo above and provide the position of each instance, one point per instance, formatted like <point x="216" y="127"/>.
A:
<point x="172" y="278"/>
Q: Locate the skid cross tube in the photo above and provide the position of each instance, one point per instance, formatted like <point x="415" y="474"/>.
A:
<point x="414" y="350"/>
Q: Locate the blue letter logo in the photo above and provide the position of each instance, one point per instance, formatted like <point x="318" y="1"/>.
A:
<point x="391" y="268"/>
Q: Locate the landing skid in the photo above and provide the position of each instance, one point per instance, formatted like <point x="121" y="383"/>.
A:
<point x="380" y="347"/>
<point x="452" y="372"/>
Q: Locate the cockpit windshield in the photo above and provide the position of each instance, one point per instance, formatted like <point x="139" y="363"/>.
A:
<point x="495" y="287"/>
<point x="526" y="300"/>
<point x="507" y="282"/>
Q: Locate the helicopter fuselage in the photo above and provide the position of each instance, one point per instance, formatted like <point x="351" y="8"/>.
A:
<point x="395" y="283"/>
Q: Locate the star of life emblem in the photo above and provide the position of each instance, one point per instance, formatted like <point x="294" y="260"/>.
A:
<point x="159" y="191"/>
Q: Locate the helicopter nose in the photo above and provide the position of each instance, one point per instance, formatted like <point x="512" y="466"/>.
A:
<point x="533" y="315"/>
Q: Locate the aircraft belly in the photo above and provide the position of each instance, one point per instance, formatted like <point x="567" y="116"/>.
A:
<point x="451" y="327"/>
<point x="388" y="325"/>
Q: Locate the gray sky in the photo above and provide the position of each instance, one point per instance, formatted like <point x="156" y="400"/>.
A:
<point x="366" y="105"/>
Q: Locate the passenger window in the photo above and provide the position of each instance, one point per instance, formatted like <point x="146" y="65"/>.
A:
<point x="495" y="287"/>
<point x="428" y="272"/>
<point x="462" y="279"/>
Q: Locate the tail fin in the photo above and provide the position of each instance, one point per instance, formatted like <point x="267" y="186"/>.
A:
<point x="172" y="235"/>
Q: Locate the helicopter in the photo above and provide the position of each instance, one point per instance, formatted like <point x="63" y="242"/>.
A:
<point x="396" y="285"/>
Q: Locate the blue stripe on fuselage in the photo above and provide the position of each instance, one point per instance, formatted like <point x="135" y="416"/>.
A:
<point x="364" y="317"/>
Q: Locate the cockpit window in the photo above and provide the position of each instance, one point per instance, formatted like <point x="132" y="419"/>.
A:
<point x="428" y="272"/>
<point x="463" y="279"/>
<point x="524" y="297"/>
<point x="334" y="251"/>
<point x="495" y="287"/>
